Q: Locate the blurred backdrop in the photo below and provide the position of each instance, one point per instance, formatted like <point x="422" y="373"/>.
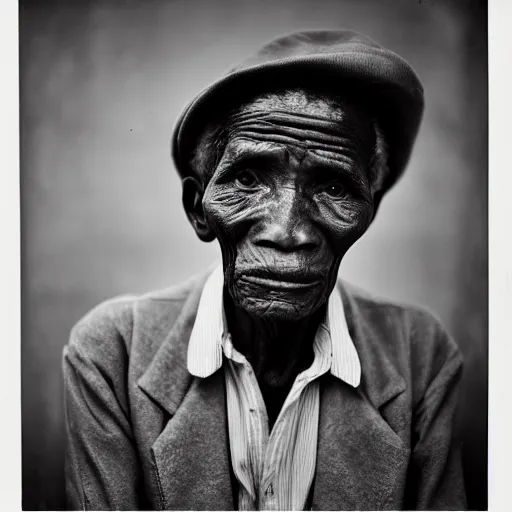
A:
<point x="102" y="83"/>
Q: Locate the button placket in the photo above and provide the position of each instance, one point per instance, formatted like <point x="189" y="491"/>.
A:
<point x="272" y="461"/>
<point x="269" y="501"/>
<point x="258" y="421"/>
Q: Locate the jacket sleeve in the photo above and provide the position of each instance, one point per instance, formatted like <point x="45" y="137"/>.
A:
<point x="102" y="468"/>
<point x="435" y="479"/>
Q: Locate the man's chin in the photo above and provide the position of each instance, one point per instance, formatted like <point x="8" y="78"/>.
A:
<point x="279" y="300"/>
<point x="277" y="308"/>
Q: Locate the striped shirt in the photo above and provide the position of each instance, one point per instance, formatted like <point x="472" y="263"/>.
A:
<point x="274" y="469"/>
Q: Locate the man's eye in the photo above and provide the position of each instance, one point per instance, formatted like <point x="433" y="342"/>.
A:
<point x="335" y="190"/>
<point x="246" y="179"/>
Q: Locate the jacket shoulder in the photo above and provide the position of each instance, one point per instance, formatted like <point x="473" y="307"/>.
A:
<point x="389" y="315"/>
<point x="108" y="328"/>
<point x="411" y="337"/>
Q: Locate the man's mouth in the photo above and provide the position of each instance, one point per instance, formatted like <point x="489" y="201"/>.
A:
<point x="279" y="283"/>
<point x="281" y="280"/>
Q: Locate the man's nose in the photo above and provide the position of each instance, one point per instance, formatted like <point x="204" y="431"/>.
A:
<point x="287" y="226"/>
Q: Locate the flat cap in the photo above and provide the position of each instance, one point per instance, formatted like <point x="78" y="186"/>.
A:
<point x="335" y="61"/>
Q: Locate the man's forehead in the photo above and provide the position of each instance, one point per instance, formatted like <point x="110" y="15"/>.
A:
<point x="331" y="126"/>
<point x="301" y="121"/>
<point x="246" y="151"/>
<point x="304" y="102"/>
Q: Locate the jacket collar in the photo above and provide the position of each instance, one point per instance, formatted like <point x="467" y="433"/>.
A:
<point x="166" y="379"/>
<point x="380" y="379"/>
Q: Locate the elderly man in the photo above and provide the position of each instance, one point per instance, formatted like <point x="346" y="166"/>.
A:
<point x="267" y="384"/>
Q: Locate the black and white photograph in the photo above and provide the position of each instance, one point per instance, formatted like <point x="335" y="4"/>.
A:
<point x="254" y="254"/>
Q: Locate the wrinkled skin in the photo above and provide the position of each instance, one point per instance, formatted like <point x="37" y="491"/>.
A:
<point x="289" y="196"/>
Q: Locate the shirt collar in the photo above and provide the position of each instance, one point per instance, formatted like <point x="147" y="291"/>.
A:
<point x="204" y="355"/>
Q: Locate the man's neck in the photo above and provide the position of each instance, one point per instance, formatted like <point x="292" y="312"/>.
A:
<point x="278" y="350"/>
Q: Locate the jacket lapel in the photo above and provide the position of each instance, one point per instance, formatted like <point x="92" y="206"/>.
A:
<point x="166" y="379"/>
<point x="191" y="453"/>
<point x="360" y="460"/>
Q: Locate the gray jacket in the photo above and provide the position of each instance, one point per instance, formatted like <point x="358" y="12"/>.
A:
<point x="144" y="434"/>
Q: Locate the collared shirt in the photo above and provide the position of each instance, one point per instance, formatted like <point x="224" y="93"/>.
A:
<point x="274" y="469"/>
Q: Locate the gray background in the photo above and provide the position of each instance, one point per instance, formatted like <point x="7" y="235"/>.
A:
<point x="101" y="85"/>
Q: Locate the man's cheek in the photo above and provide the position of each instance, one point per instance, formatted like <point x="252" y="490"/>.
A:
<point x="344" y="226"/>
<point x="249" y="256"/>
<point x="225" y="212"/>
<point x="229" y="211"/>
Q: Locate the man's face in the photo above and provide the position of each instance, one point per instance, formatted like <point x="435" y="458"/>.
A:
<point x="289" y="197"/>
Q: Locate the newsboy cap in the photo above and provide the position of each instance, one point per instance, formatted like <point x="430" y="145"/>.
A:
<point x="334" y="61"/>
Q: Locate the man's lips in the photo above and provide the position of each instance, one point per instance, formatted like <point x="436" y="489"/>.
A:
<point x="280" y="280"/>
<point x="274" y="283"/>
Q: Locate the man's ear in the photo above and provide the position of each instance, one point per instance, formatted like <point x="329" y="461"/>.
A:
<point x="192" y="198"/>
